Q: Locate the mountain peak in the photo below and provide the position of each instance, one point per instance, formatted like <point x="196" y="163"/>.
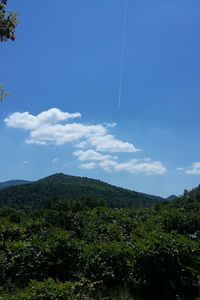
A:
<point x="61" y="186"/>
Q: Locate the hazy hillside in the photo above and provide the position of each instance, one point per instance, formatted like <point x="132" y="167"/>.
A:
<point x="172" y="197"/>
<point x="41" y="192"/>
<point x="9" y="183"/>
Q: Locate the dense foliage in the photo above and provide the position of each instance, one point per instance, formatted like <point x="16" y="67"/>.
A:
<point x="3" y="94"/>
<point x="38" y="194"/>
<point x="10" y="183"/>
<point x="8" y="22"/>
<point x="83" y="249"/>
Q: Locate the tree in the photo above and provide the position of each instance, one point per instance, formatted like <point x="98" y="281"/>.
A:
<point x="3" y="94"/>
<point x="8" y="22"/>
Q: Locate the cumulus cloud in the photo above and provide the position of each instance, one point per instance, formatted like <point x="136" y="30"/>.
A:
<point x="110" y="163"/>
<point x="193" y="170"/>
<point x="134" y="166"/>
<point x="88" y="166"/>
<point x="81" y="145"/>
<point x="60" y="134"/>
<point x="27" y="121"/>
<point x="48" y="128"/>
<point x="92" y="155"/>
<point x="108" y="143"/>
<point x="95" y="145"/>
<point x="142" y="166"/>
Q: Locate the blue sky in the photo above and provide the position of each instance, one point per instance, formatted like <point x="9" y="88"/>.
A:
<point x="66" y="60"/>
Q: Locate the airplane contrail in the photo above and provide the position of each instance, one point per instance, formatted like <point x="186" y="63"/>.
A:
<point x="122" y="50"/>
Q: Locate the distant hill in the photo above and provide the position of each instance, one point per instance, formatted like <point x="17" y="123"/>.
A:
<point x="9" y="183"/>
<point x="59" y="186"/>
<point x="172" y="197"/>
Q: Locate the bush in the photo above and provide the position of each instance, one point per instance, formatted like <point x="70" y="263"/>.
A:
<point x="166" y="265"/>
<point x="50" y="289"/>
<point x="45" y="290"/>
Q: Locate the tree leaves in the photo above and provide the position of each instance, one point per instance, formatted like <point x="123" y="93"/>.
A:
<point x="8" y="23"/>
<point x="78" y="249"/>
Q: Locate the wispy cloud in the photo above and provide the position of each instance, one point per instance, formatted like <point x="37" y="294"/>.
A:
<point x="92" y="155"/>
<point x="54" y="160"/>
<point x="95" y="144"/>
<point x="110" y="125"/>
<point x="193" y="170"/>
<point x="108" y="143"/>
<point x="88" y="166"/>
<point x="141" y="166"/>
<point x="111" y="164"/>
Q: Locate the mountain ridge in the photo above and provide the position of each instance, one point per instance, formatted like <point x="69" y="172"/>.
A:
<point x="14" y="182"/>
<point x="39" y="193"/>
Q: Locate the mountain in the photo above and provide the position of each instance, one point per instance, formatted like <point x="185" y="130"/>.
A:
<point x="59" y="186"/>
<point x="172" y="197"/>
<point x="9" y="183"/>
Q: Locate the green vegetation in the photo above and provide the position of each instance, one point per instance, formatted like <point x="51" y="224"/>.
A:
<point x="84" y="249"/>
<point x="59" y="186"/>
<point x="8" y="23"/>
<point x="12" y="183"/>
<point x="3" y="94"/>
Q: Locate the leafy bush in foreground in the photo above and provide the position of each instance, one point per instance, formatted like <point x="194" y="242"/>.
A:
<point x="82" y="250"/>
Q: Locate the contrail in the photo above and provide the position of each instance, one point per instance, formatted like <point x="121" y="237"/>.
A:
<point x="122" y="50"/>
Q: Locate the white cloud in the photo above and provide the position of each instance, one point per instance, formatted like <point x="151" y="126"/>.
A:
<point x="48" y="128"/>
<point x="110" y="125"/>
<point x="55" y="160"/>
<point x="196" y="165"/>
<point x="22" y="120"/>
<point x="142" y="166"/>
<point x="96" y="145"/>
<point x="134" y="166"/>
<point x="193" y="170"/>
<point x="108" y="143"/>
<point x="27" y="121"/>
<point x="88" y="166"/>
<point x="81" y="145"/>
<point x="111" y="164"/>
<point x="92" y="155"/>
<point x="108" y="165"/>
<point x="180" y="169"/>
<point x="60" y="134"/>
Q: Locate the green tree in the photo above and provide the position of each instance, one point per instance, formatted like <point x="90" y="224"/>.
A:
<point x="8" y="23"/>
<point x="167" y="265"/>
<point x="3" y="94"/>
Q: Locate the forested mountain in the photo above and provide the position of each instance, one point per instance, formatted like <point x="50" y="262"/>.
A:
<point x="9" y="183"/>
<point x="172" y="197"/>
<point x="59" y="186"/>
